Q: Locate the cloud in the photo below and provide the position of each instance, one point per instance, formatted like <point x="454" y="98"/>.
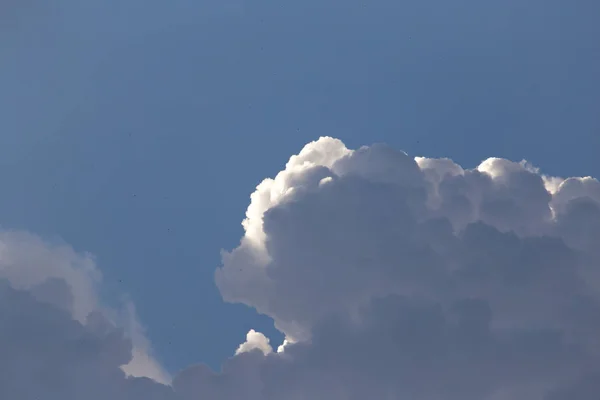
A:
<point x="422" y="271"/>
<point x="255" y="341"/>
<point x="48" y="355"/>
<point x="53" y="273"/>
<point x="392" y="277"/>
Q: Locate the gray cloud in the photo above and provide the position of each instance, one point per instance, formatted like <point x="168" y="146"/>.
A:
<point x="392" y="277"/>
<point x="46" y="354"/>
<point x="54" y="274"/>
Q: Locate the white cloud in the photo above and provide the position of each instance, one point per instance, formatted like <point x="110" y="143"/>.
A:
<point x="26" y="261"/>
<point x="255" y="341"/>
<point x="435" y="233"/>
<point x="143" y="363"/>
<point x="391" y="277"/>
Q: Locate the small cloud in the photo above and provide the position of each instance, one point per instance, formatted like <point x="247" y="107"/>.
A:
<point x="255" y="341"/>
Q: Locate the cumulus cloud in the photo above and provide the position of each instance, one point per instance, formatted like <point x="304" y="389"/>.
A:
<point x="255" y="341"/>
<point x="451" y="282"/>
<point x="54" y="274"/>
<point x="392" y="277"/>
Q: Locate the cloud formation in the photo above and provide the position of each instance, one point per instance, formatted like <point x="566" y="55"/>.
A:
<point x="454" y="283"/>
<point x="47" y="274"/>
<point x="392" y="277"/>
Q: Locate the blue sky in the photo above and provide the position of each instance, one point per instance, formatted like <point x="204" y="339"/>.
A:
<point x="137" y="130"/>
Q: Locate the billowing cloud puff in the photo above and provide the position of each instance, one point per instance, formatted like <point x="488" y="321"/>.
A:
<point x="417" y="278"/>
<point x="392" y="277"/>
<point x="255" y="341"/>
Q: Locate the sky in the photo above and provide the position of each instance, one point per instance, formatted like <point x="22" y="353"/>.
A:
<point x="133" y="133"/>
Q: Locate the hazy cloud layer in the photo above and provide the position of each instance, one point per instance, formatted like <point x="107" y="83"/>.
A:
<point x="392" y="277"/>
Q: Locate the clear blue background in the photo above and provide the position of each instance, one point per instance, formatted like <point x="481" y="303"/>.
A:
<point x="137" y="130"/>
